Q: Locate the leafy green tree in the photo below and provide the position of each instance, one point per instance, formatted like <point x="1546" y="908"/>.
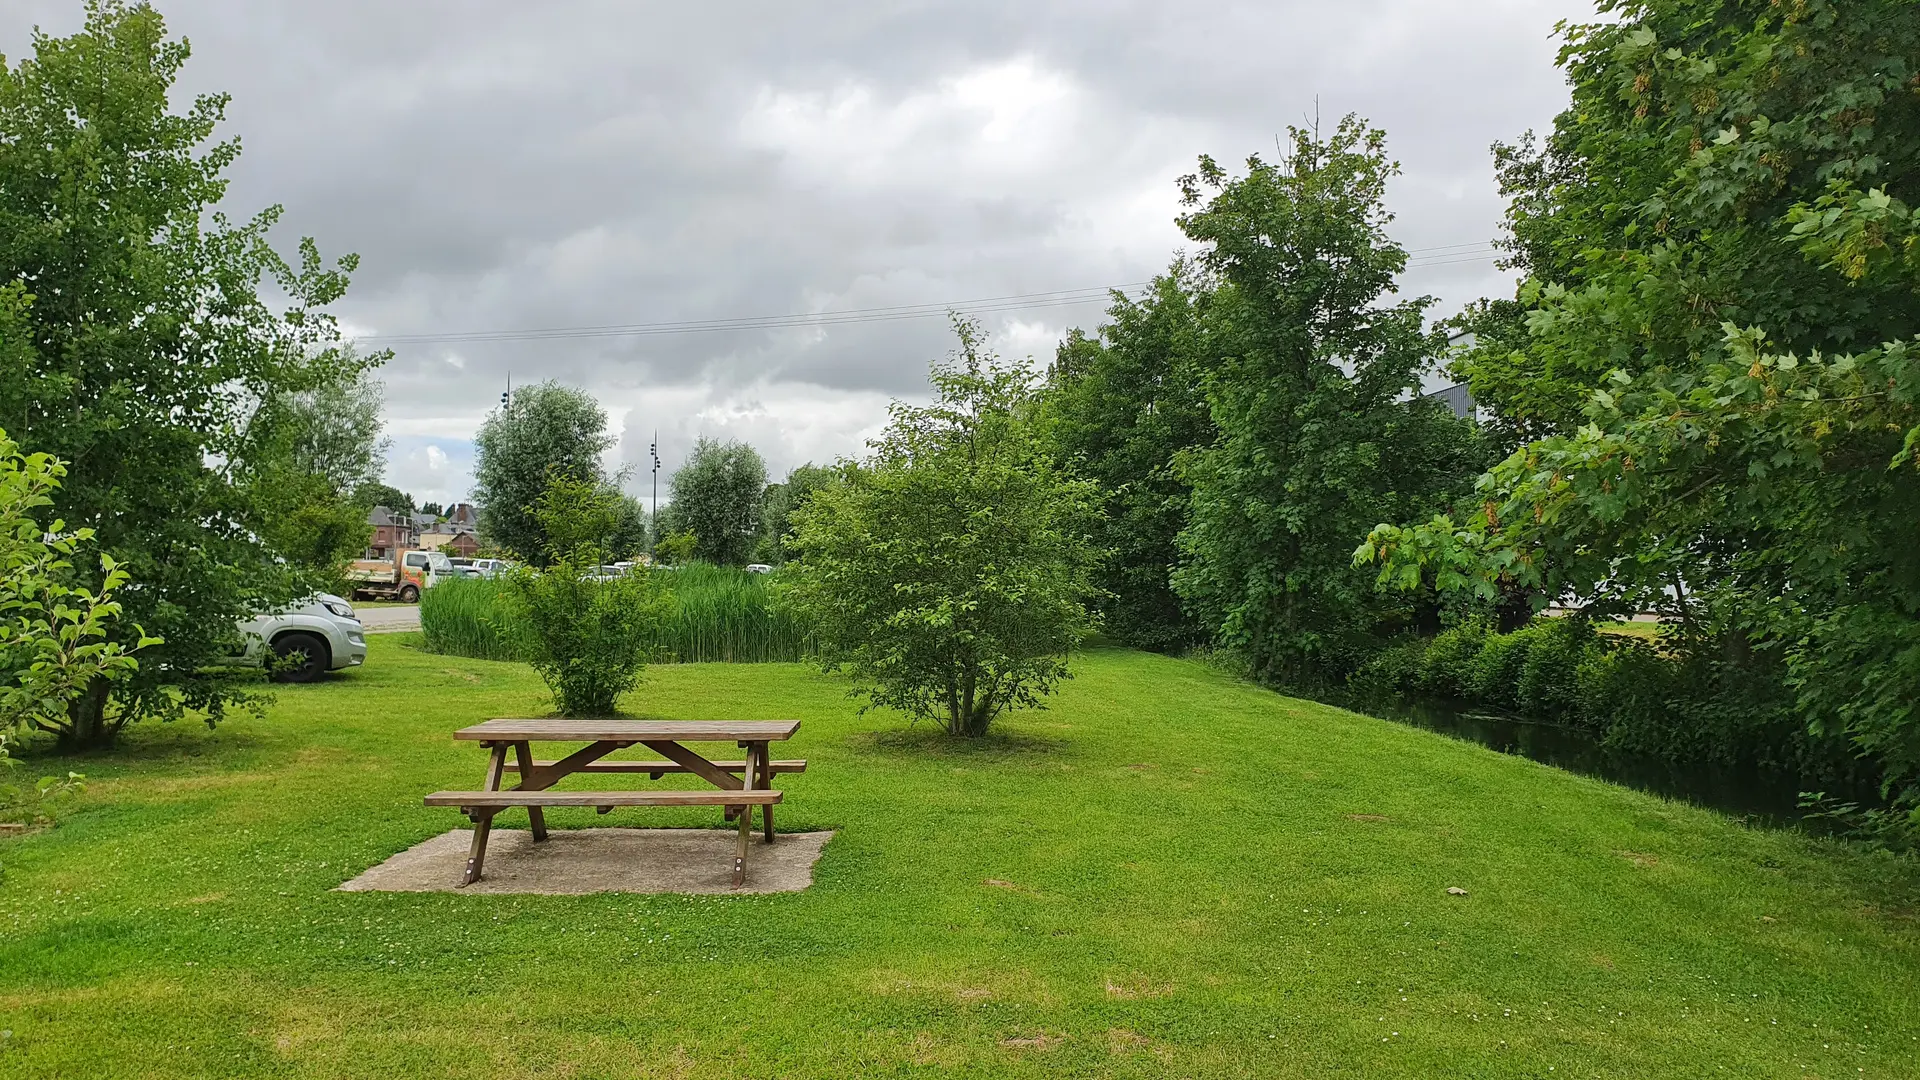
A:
<point x="544" y="431"/>
<point x="629" y="536"/>
<point x="433" y="508"/>
<point x="313" y="454"/>
<point x="140" y="346"/>
<point x="1121" y="408"/>
<point x="717" y="498"/>
<point x="1733" y="330"/>
<point x="778" y="505"/>
<point x="377" y="494"/>
<point x="951" y="572"/>
<point x="1312" y="383"/>
<point x="1696" y="126"/>
<point x="333" y="431"/>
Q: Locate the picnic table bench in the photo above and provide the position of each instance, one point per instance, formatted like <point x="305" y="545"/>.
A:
<point x="739" y="785"/>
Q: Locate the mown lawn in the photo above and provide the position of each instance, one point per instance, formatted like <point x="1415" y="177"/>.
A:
<point x="1167" y="874"/>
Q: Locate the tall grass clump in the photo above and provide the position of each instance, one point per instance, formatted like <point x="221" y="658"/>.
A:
<point x="725" y="615"/>
<point x="715" y="614"/>
<point x="458" y="617"/>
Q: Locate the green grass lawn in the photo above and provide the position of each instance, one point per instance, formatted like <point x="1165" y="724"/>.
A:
<point x="1167" y="874"/>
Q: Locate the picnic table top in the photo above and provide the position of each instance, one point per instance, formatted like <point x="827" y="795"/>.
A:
<point x="629" y="730"/>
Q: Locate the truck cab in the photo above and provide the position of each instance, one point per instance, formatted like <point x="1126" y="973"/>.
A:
<point x="428" y="568"/>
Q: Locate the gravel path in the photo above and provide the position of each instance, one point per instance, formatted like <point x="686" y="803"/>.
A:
<point x="389" y="620"/>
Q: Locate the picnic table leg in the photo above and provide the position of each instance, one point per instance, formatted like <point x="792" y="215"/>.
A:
<point x="483" y="821"/>
<point x="766" y="781"/>
<point x="746" y="820"/>
<point x="523" y="752"/>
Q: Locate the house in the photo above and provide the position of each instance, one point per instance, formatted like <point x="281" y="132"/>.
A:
<point x="391" y="532"/>
<point x="1458" y="397"/>
<point x="464" y="544"/>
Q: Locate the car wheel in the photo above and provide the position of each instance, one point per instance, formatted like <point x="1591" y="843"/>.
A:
<point x="409" y="594"/>
<point x="299" y="658"/>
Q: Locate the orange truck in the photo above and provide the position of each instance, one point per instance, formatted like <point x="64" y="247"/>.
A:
<point x="404" y="577"/>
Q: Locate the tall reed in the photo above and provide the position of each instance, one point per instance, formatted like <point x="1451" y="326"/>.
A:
<point x="457" y="618"/>
<point x="729" y="616"/>
<point x="719" y="614"/>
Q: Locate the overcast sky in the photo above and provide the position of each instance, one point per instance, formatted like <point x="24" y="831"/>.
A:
<point x="513" y="166"/>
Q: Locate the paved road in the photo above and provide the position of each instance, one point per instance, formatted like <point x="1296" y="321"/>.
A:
<point x="389" y="620"/>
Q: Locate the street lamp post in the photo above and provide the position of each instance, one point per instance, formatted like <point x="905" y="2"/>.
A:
<point x="654" y="525"/>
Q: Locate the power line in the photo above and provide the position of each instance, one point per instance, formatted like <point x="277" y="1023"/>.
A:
<point x="1476" y="245"/>
<point x="1450" y="262"/>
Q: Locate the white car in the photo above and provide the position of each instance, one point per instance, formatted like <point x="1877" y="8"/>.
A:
<point x="759" y="568"/>
<point x="308" y="639"/>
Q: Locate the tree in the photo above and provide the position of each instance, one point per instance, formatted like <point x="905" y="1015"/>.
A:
<point x="378" y="494"/>
<point x="313" y="454"/>
<point x="951" y="572"/>
<point x="545" y="431"/>
<point x="333" y="431"/>
<point x="777" y="507"/>
<point x="1660" y="195"/>
<point x="432" y="509"/>
<point x="1121" y="408"/>
<point x="140" y="347"/>
<point x="1312" y="383"/>
<point x="717" y="497"/>
<point x="1730" y="337"/>
<point x="629" y="536"/>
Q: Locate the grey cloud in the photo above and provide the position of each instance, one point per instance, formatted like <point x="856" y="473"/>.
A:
<point x="507" y="166"/>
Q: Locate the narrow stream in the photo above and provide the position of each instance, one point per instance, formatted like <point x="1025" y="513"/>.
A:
<point x="1767" y="796"/>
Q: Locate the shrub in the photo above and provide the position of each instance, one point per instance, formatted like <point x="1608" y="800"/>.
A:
<point x="1446" y="668"/>
<point x="1549" y="684"/>
<point x="56" y="656"/>
<point x="676" y="548"/>
<point x="1496" y="671"/>
<point x="951" y="573"/>
<point x="587" y="636"/>
<point x="29" y="804"/>
<point x="1394" y="672"/>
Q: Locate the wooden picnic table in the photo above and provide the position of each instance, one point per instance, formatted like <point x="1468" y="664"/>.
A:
<point x="741" y="785"/>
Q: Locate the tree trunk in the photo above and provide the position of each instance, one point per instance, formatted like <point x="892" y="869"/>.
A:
<point x="87" y="726"/>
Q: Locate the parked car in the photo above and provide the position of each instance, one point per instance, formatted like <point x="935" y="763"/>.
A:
<point x="759" y="568"/>
<point x="489" y="567"/>
<point x="307" y="640"/>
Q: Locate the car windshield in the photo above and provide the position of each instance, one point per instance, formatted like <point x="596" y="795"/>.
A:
<point x="440" y="563"/>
